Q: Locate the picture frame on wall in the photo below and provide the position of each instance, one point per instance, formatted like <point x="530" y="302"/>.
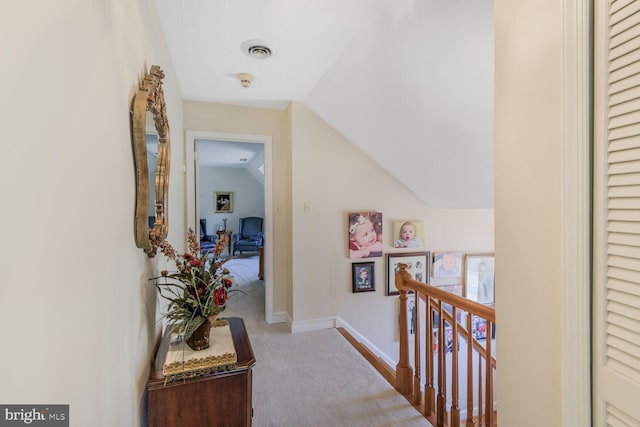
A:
<point x="479" y="328"/>
<point x="365" y="234"/>
<point x="456" y="288"/>
<point x="479" y="277"/>
<point x="461" y="317"/>
<point x="408" y="234"/>
<point x="446" y="269"/>
<point x="417" y="265"/>
<point x="223" y="201"/>
<point x="411" y="315"/>
<point x="363" y="277"/>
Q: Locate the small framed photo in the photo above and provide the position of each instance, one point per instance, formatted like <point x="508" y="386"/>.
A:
<point x="479" y="328"/>
<point x="365" y="234"/>
<point x="223" y="201"/>
<point x="417" y="265"/>
<point x="479" y="277"/>
<point x="446" y="269"/>
<point x="362" y="277"/>
<point x="461" y="317"/>
<point x="408" y="234"/>
<point x="448" y="340"/>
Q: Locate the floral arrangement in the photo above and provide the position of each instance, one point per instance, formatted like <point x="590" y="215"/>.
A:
<point x="198" y="289"/>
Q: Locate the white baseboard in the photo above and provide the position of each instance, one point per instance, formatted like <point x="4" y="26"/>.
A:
<point x="278" y="317"/>
<point x="312" y="324"/>
<point x="375" y="350"/>
<point x="289" y="321"/>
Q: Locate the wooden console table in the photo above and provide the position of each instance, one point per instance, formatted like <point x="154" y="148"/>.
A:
<point x="218" y="399"/>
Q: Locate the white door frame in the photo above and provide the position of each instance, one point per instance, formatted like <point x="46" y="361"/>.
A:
<point x="576" y="221"/>
<point x="191" y="172"/>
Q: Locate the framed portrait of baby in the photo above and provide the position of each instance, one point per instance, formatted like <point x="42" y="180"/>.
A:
<point x="365" y="234"/>
<point x="408" y="234"/>
<point x="363" y="279"/>
<point x="446" y="268"/>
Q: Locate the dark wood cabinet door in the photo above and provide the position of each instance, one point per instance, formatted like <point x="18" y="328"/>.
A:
<point x="222" y="399"/>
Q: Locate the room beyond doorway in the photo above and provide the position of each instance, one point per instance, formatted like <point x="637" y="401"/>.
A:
<point x="192" y="141"/>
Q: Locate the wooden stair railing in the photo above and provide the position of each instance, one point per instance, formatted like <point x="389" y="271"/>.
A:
<point x="446" y="309"/>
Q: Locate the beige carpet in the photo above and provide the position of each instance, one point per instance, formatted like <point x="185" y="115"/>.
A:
<point x="311" y="379"/>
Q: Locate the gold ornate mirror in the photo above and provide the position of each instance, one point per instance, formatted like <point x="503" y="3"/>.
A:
<point x="151" y="223"/>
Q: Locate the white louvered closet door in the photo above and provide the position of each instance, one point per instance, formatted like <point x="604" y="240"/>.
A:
<point x="616" y="293"/>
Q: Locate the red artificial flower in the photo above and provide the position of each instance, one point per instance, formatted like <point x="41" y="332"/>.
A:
<point x="195" y="263"/>
<point x="227" y="282"/>
<point x="201" y="289"/>
<point x="220" y="297"/>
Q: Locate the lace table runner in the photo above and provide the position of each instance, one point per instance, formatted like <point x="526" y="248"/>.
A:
<point x="184" y="363"/>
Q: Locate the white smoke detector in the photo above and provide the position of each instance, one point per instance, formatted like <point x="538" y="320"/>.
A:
<point x="245" y="79"/>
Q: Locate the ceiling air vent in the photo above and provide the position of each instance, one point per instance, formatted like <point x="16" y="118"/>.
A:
<point x="256" y="49"/>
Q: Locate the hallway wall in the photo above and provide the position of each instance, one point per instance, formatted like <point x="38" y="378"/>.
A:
<point x="529" y="142"/>
<point x="335" y="177"/>
<point x="78" y="311"/>
<point x="202" y="116"/>
<point x="248" y="196"/>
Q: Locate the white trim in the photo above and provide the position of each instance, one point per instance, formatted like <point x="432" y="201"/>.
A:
<point x="191" y="170"/>
<point x="575" y="316"/>
<point x="279" y="317"/>
<point x="375" y="350"/>
<point x="289" y="321"/>
<point x="312" y="324"/>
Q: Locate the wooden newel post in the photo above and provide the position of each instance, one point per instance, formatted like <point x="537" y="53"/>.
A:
<point x="404" y="371"/>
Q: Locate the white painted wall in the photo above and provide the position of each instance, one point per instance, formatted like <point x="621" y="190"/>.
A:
<point x="201" y="116"/>
<point x="248" y="196"/>
<point x="335" y="177"/>
<point x="254" y="168"/>
<point x="79" y="314"/>
<point x="415" y="92"/>
<point x="529" y="137"/>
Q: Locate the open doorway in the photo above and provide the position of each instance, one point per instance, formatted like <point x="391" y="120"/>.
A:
<point x="240" y="194"/>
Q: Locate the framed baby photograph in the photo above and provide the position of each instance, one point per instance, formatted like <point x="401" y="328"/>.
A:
<point x="365" y="234"/>
<point x="223" y="201"/>
<point x="408" y="234"/>
<point x="417" y="265"/>
<point x="362" y="277"/>
<point x="479" y="277"/>
<point x="446" y="268"/>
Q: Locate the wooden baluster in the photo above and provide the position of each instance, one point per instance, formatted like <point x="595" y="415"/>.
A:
<point x="442" y="371"/>
<point x="455" y="394"/>
<point x="404" y="373"/>
<point x="479" y="389"/>
<point x="429" y="392"/>
<point x="469" y="422"/>
<point x="417" y="392"/>
<point x="409" y="384"/>
<point x="488" y="378"/>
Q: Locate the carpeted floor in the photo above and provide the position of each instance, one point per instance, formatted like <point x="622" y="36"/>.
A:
<point x="310" y="379"/>
<point x="243" y="268"/>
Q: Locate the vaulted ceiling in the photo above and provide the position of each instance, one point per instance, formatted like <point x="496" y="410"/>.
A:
<point x="410" y="82"/>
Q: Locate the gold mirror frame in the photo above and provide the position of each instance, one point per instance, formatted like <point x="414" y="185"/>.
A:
<point x="150" y="98"/>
